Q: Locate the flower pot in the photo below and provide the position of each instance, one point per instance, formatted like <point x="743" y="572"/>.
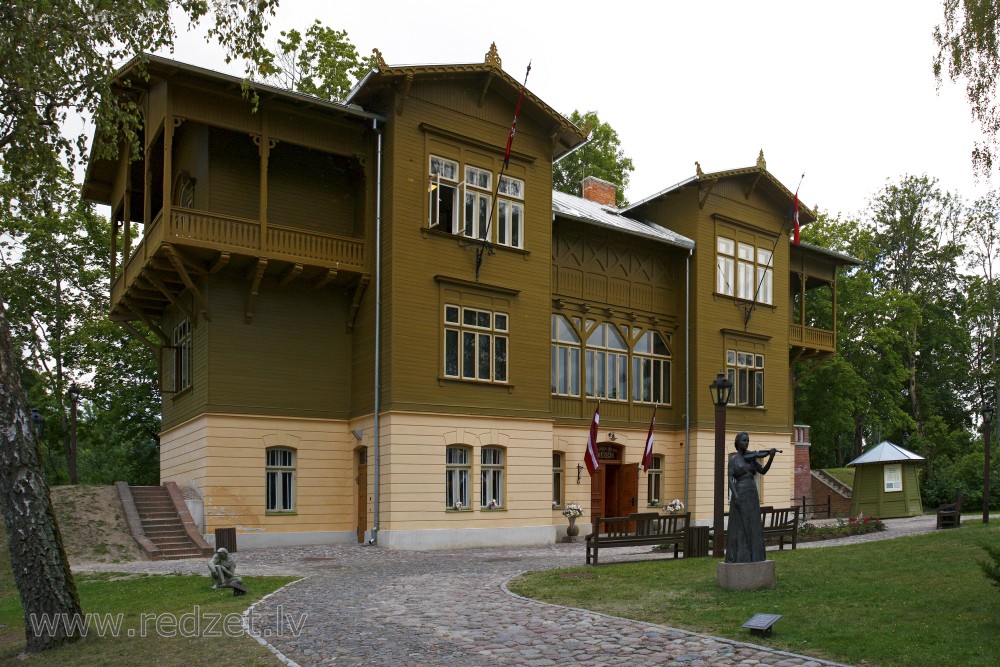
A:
<point x="572" y="530"/>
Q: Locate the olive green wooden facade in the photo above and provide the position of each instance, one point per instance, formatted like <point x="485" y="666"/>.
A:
<point x="870" y="497"/>
<point x="257" y="235"/>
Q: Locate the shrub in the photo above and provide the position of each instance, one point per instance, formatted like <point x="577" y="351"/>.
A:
<point x="991" y="570"/>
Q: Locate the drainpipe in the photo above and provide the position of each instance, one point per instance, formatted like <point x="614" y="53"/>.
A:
<point x="378" y="323"/>
<point x="687" y="374"/>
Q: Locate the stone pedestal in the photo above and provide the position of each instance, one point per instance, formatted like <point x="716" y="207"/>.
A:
<point x="745" y="576"/>
<point x="572" y="530"/>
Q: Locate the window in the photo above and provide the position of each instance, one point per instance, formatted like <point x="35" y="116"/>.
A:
<point x="182" y="355"/>
<point x="558" y="475"/>
<point x="893" y="476"/>
<point x="746" y="372"/>
<point x="765" y="276"/>
<point x="443" y="193"/>
<point x="491" y="489"/>
<point x="280" y="480"/>
<point x="477" y="201"/>
<point x="510" y="213"/>
<point x="654" y="482"/>
<point x="456" y="478"/>
<point x="725" y="279"/>
<point x="607" y="363"/>
<point x="565" y="358"/>
<point x="745" y="286"/>
<point x="651" y="370"/>
<point x="475" y="344"/>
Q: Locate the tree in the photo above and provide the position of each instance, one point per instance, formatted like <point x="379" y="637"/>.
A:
<point x="60" y="56"/>
<point x="323" y="62"/>
<point x="968" y="42"/>
<point x="601" y="156"/>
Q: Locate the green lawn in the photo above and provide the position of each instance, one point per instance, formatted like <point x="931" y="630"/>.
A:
<point x="843" y="475"/>
<point x="914" y="601"/>
<point x="184" y="598"/>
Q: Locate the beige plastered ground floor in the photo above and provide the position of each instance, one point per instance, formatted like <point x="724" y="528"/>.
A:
<point x="219" y="460"/>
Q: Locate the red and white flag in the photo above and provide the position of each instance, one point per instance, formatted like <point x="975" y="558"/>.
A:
<point x="513" y="126"/>
<point x="795" y="219"/>
<point x="647" y="456"/>
<point x="590" y="456"/>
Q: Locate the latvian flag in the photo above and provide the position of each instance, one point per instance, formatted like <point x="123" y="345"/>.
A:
<point x="647" y="456"/>
<point x="590" y="456"/>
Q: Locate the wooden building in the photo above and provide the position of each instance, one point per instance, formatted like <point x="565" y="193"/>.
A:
<point x="305" y="266"/>
<point x="886" y="483"/>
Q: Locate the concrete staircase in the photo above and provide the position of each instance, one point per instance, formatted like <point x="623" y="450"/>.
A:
<point x="160" y="522"/>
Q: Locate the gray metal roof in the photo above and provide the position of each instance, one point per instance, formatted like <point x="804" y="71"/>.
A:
<point x="886" y="452"/>
<point x="591" y="212"/>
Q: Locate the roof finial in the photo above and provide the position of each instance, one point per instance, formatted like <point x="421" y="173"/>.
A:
<point x="697" y="169"/>
<point x="761" y="164"/>
<point x="493" y="57"/>
<point x="378" y="60"/>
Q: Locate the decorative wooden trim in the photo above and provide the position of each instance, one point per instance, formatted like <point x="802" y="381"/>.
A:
<point x="158" y="284"/>
<point x="256" y="274"/>
<point x="471" y="284"/>
<point x="481" y="145"/>
<point x="176" y="259"/>
<point x="404" y="92"/>
<point x="486" y="86"/>
<point x="127" y="326"/>
<point x="703" y="198"/>
<point x="359" y="290"/>
<point x="220" y="262"/>
<point x="331" y="275"/>
<point x="736" y="333"/>
<point x="290" y="274"/>
<point x="129" y="305"/>
<point x="753" y="185"/>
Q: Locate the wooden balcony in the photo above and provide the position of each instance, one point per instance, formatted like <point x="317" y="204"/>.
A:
<point x="194" y="242"/>
<point x="810" y="341"/>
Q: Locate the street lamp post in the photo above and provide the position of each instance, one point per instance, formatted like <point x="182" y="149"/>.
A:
<point x="74" y="395"/>
<point x="987" y="424"/>
<point x="38" y="422"/>
<point x="722" y="392"/>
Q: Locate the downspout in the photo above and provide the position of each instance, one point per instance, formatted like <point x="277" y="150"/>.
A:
<point x="687" y="374"/>
<point x="378" y="323"/>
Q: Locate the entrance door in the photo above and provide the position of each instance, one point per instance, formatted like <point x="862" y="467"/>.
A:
<point x="362" y="483"/>
<point x="628" y="488"/>
<point x="597" y="493"/>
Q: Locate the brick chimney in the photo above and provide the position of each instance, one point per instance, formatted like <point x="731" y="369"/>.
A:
<point x="599" y="191"/>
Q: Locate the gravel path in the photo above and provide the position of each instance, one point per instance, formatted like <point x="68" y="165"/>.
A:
<point x="369" y="606"/>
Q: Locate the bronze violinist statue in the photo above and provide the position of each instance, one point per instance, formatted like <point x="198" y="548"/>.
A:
<point x="745" y="534"/>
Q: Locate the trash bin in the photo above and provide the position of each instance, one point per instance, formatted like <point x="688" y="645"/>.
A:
<point x="226" y="538"/>
<point x="697" y="542"/>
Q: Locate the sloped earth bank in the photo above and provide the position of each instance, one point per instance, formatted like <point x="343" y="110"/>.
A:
<point x="93" y="526"/>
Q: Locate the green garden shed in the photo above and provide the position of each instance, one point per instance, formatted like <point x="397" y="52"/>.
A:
<point x="885" y="483"/>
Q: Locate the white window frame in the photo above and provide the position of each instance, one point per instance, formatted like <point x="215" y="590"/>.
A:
<point x="182" y="343"/>
<point x="765" y="276"/>
<point x="492" y="473"/>
<point x="652" y="367"/>
<point x="279" y="480"/>
<point x="476" y="202"/>
<point x="487" y="329"/>
<point x="603" y="361"/>
<point x="558" y="479"/>
<point x="654" y="482"/>
<point x="746" y="371"/>
<point x="457" y="477"/>
<point x="565" y="362"/>
<point x="440" y="183"/>
<point x="510" y="212"/>
<point x="725" y="279"/>
<point x="745" y="286"/>
<point x="892" y="477"/>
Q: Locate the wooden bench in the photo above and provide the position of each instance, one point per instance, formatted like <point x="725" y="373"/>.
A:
<point x="781" y="523"/>
<point x="646" y="528"/>
<point x="949" y="515"/>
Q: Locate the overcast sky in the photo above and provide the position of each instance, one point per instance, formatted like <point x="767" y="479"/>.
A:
<point x="842" y="92"/>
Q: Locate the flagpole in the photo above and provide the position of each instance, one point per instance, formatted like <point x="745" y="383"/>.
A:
<point x="485" y="247"/>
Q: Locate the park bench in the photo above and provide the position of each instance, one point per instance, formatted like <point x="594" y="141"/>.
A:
<point x="949" y="515"/>
<point x="646" y="528"/>
<point x="780" y="523"/>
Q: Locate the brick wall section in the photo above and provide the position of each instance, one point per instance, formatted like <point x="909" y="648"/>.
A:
<point x="600" y="191"/>
<point x="803" y="480"/>
<point x="839" y="505"/>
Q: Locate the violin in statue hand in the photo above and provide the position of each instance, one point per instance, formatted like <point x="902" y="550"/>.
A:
<point x="761" y="454"/>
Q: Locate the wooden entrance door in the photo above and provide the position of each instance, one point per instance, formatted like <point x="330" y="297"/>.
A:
<point x="362" y="484"/>
<point x="628" y="488"/>
<point x="597" y="493"/>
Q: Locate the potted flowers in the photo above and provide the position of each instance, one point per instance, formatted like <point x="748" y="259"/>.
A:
<point x="572" y="512"/>
<point x="674" y="506"/>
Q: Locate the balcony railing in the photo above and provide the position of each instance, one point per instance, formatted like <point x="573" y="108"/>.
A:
<point x="188" y="227"/>
<point x="801" y="336"/>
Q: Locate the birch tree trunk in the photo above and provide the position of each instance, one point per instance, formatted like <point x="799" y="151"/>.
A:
<point x="41" y="570"/>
